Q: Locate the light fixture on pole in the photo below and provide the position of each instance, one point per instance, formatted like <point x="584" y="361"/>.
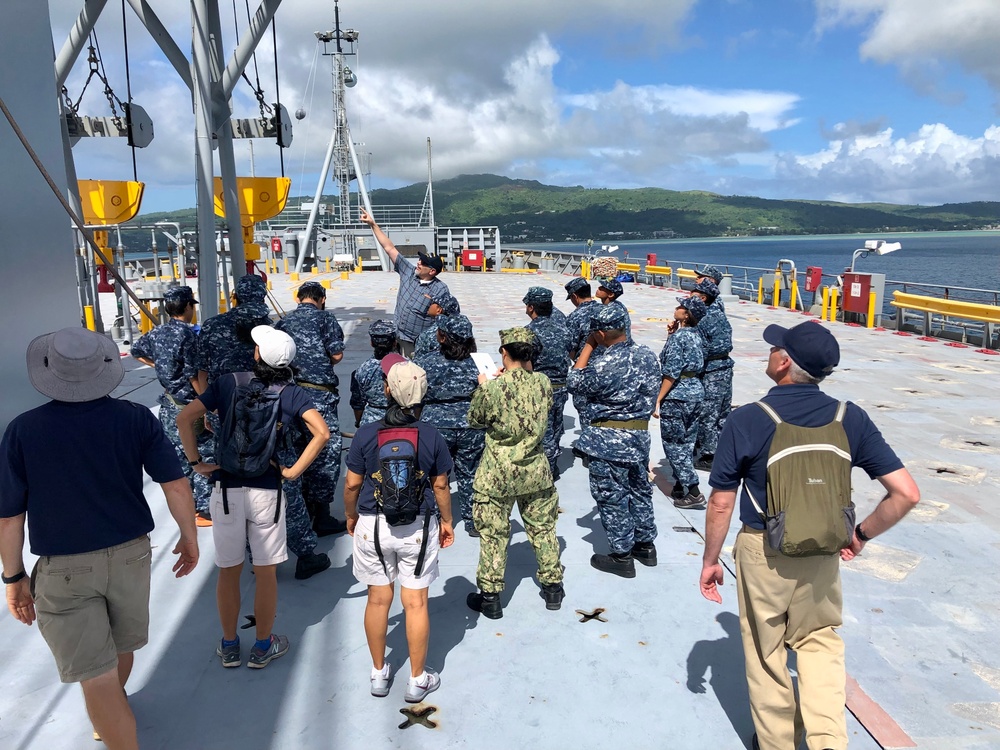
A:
<point x="879" y="247"/>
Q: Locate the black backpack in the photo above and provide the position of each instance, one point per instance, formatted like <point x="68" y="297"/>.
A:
<point x="248" y="438"/>
<point x="399" y="484"/>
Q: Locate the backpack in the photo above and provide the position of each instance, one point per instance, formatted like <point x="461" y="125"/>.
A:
<point x="809" y="507"/>
<point x="399" y="485"/>
<point x="248" y="437"/>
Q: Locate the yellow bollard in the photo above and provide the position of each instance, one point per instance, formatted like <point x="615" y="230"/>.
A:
<point x="222" y="302"/>
<point x="345" y="275"/>
<point x="88" y="316"/>
<point x="286" y="264"/>
<point x="357" y="268"/>
<point x="326" y="284"/>
<point x="760" y="291"/>
<point x="270" y="286"/>
<point x="871" y="309"/>
<point x="833" y="304"/>
<point x="585" y="269"/>
<point x="327" y="261"/>
<point x="315" y="271"/>
<point x="293" y="276"/>
<point x="826" y="303"/>
<point x="794" y="294"/>
<point x="776" y="294"/>
<point x="458" y="263"/>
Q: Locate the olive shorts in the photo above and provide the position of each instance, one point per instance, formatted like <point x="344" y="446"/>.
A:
<point x="93" y="606"/>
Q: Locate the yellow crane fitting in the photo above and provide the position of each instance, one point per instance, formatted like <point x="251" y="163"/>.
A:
<point x="110" y="202"/>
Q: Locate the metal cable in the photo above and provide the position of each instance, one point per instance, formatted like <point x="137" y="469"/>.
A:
<point x="128" y="93"/>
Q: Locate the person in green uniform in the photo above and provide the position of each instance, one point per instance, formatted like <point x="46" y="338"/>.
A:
<point x="513" y="408"/>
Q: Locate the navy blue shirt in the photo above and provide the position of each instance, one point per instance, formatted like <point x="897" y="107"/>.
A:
<point x="741" y="455"/>
<point x="76" y="469"/>
<point x="433" y="458"/>
<point x="294" y="403"/>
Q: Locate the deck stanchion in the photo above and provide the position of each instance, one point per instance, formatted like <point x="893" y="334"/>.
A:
<point x="833" y="304"/>
<point x="826" y="303"/>
<point x="871" y="309"/>
<point x="88" y="316"/>
<point x="776" y="299"/>
<point x="760" y="291"/>
<point x="794" y="294"/>
<point x="328" y="265"/>
<point x="286" y="264"/>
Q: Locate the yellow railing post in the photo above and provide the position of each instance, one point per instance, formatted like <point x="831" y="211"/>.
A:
<point x="776" y="298"/>
<point x="794" y="294"/>
<point x="826" y="303"/>
<point x="760" y="291"/>
<point x="871" y="309"/>
<point x="286" y="264"/>
<point x="327" y="265"/>
<point x="833" y="304"/>
<point x="458" y="263"/>
<point x="88" y="316"/>
<point x="293" y="276"/>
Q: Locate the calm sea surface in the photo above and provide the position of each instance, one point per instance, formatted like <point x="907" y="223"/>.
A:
<point x="954" y="259"/>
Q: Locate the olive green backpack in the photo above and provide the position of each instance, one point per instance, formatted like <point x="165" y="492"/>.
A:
<point x="809" y="508"/>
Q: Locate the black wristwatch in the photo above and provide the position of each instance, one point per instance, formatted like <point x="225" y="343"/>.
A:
<point x="195" y="462"/>
<point x="14" y="578"/>
<point x="861" y="534"/>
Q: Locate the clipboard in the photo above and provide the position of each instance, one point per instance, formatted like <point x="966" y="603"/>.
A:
<point x="485" y="364"/>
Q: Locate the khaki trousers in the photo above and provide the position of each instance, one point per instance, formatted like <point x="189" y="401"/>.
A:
<point x="792" y="603"/>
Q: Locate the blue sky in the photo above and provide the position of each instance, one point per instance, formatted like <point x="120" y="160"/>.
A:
<point x="854" y="100"/>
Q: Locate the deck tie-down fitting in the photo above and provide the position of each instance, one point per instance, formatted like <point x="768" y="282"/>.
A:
<point x="421" y="715"/>
<point x="595" y="615"/>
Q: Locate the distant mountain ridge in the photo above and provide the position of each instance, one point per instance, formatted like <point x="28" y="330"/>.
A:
<point x="529" y="211"/>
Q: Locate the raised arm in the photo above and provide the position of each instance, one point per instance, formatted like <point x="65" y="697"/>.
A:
<point x="382" y="237"/>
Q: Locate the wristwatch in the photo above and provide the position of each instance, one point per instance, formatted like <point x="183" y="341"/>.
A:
<point x="14" y="578"/>
<point x="861" y="534"/>
<point x="195" y="462"/>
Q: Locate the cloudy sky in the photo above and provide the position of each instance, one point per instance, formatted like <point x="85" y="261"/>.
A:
<point x="851" y="100"/>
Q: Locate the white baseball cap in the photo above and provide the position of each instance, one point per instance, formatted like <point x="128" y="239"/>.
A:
<point x="276" y="347"/>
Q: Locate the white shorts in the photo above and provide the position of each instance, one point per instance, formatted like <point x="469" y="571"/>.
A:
<point x="250" y="519"/>
<point x="400" y="549"/>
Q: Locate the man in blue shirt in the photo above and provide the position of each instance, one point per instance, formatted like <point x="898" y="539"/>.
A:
<point x="793" y="602"/>
<point x="419" y="285"/>
<point x="74" y="468"/>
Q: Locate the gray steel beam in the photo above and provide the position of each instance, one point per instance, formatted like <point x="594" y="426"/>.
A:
<point x="77" y="39"/>
<point x="201" y="78"/>
<point x="175" y="56"/>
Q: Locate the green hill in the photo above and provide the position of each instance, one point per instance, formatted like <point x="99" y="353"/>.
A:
<point x="528" y="211"/>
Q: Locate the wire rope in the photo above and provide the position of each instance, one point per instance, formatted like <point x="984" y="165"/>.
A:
<point x="128" y="91"/>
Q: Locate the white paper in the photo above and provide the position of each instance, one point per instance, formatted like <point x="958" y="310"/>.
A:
<point x="485" y="364"/>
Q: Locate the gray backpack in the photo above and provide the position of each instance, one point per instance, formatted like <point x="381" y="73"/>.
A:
<point x="809" y="508"/>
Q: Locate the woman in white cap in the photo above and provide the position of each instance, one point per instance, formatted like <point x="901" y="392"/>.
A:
<point x="250" y="509"/>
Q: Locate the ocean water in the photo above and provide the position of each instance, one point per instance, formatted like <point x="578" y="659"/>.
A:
<point x="952" y="259"/>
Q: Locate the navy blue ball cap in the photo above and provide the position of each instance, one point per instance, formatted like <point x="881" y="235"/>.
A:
<point x="250" y="288"/>
<point x="179" y="294"/>
<point x="609" y="318"/>
<point x="810" y="345"/>
<point x="614" y="286"/>
<point x="431" y="261"/>
<point x="695" y="307"/>
<point x="575" y="285"/>
<point x="711" y="272"/>
<point x="537" y="294"/>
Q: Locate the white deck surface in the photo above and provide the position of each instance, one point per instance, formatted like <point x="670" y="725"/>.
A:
<point x="922" y="606"/>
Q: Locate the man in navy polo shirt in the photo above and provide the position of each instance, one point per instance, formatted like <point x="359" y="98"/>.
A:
<point x="419" y="285"/>
<point x="74" y="467"/>
<point x="793" y="602"/>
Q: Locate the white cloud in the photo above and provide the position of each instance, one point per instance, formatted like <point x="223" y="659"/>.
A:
<point x="919" y="35"/>
<point x="931" y="166"/>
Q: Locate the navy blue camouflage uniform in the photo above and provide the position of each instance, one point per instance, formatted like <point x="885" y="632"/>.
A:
<point x="318" y="337"/>
<point x="554" y="362"/>
<point x="368" y="391"/>
<point x="620" y="386"/>
<point x="173" y="347"/>
<point x="427" y="341"/>
<point x="682" y="360"/>
<point x="578" y="325"/>
<point x="717" y="379"/>
<point x="450" y="385"/>
<point x="225" y="346"/>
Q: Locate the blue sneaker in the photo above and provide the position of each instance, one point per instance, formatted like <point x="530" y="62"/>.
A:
<point x="260" y="658"/>
<point x="230" y="654"/>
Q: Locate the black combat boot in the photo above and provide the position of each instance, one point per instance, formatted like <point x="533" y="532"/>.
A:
<point x="488" y="604"/>
<point x="705" y="462"/>
<point x="309" y="565"/>
<point x="621" y="564"/>
<point x="323" y="523"/>
<point x="553" y="594"/>
<point x="645" y="552"/>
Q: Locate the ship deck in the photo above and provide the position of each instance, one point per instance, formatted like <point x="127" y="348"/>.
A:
<point x="664" y="668"/>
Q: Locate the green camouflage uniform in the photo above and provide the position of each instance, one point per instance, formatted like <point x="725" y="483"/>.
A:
<point x="514" y="411"/>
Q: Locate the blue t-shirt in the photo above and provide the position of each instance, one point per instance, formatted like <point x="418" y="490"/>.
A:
<point x="746" y="439"/>
<point x="294" y="402"/>
<point x="433" y="458"/>
<point x="76" y="469"/>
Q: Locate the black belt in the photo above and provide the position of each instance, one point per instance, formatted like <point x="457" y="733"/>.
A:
<point x="453" y="400"/>
<point x="685" y="375"/>
<point x="317" y="386"/>
<point x="715" y="357"/>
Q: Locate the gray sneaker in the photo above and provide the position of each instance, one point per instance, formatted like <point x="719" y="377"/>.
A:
<point x="261" y="658"/>
<point x="691" y="502"/>
<point x="230" y="654"/>
<point x="380" y="684"/>
<point x="417" y="691"/>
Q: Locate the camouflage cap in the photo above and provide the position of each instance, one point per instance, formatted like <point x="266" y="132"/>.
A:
<point x="614" y="286"/>
<point x="179" y="294"/>
<point x="537" y="294"/>
<point x="311" y="286"/>
<point x="575" y="285"/>
<point x="457" y="326"/>
<point x="250" y="288"/>
<point x="711" y="272"/>
<point x="707" y="287"/>
<point x="382" y="329"/>
<point x="695" y="307"/>
<point x="447" y="302"/>
<point x="609" y="318"/>
<point x="520" y="334"/>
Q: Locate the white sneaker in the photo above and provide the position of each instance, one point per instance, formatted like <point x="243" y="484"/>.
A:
<point x="417" y="688"/>
<point x="381" y="680"/>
